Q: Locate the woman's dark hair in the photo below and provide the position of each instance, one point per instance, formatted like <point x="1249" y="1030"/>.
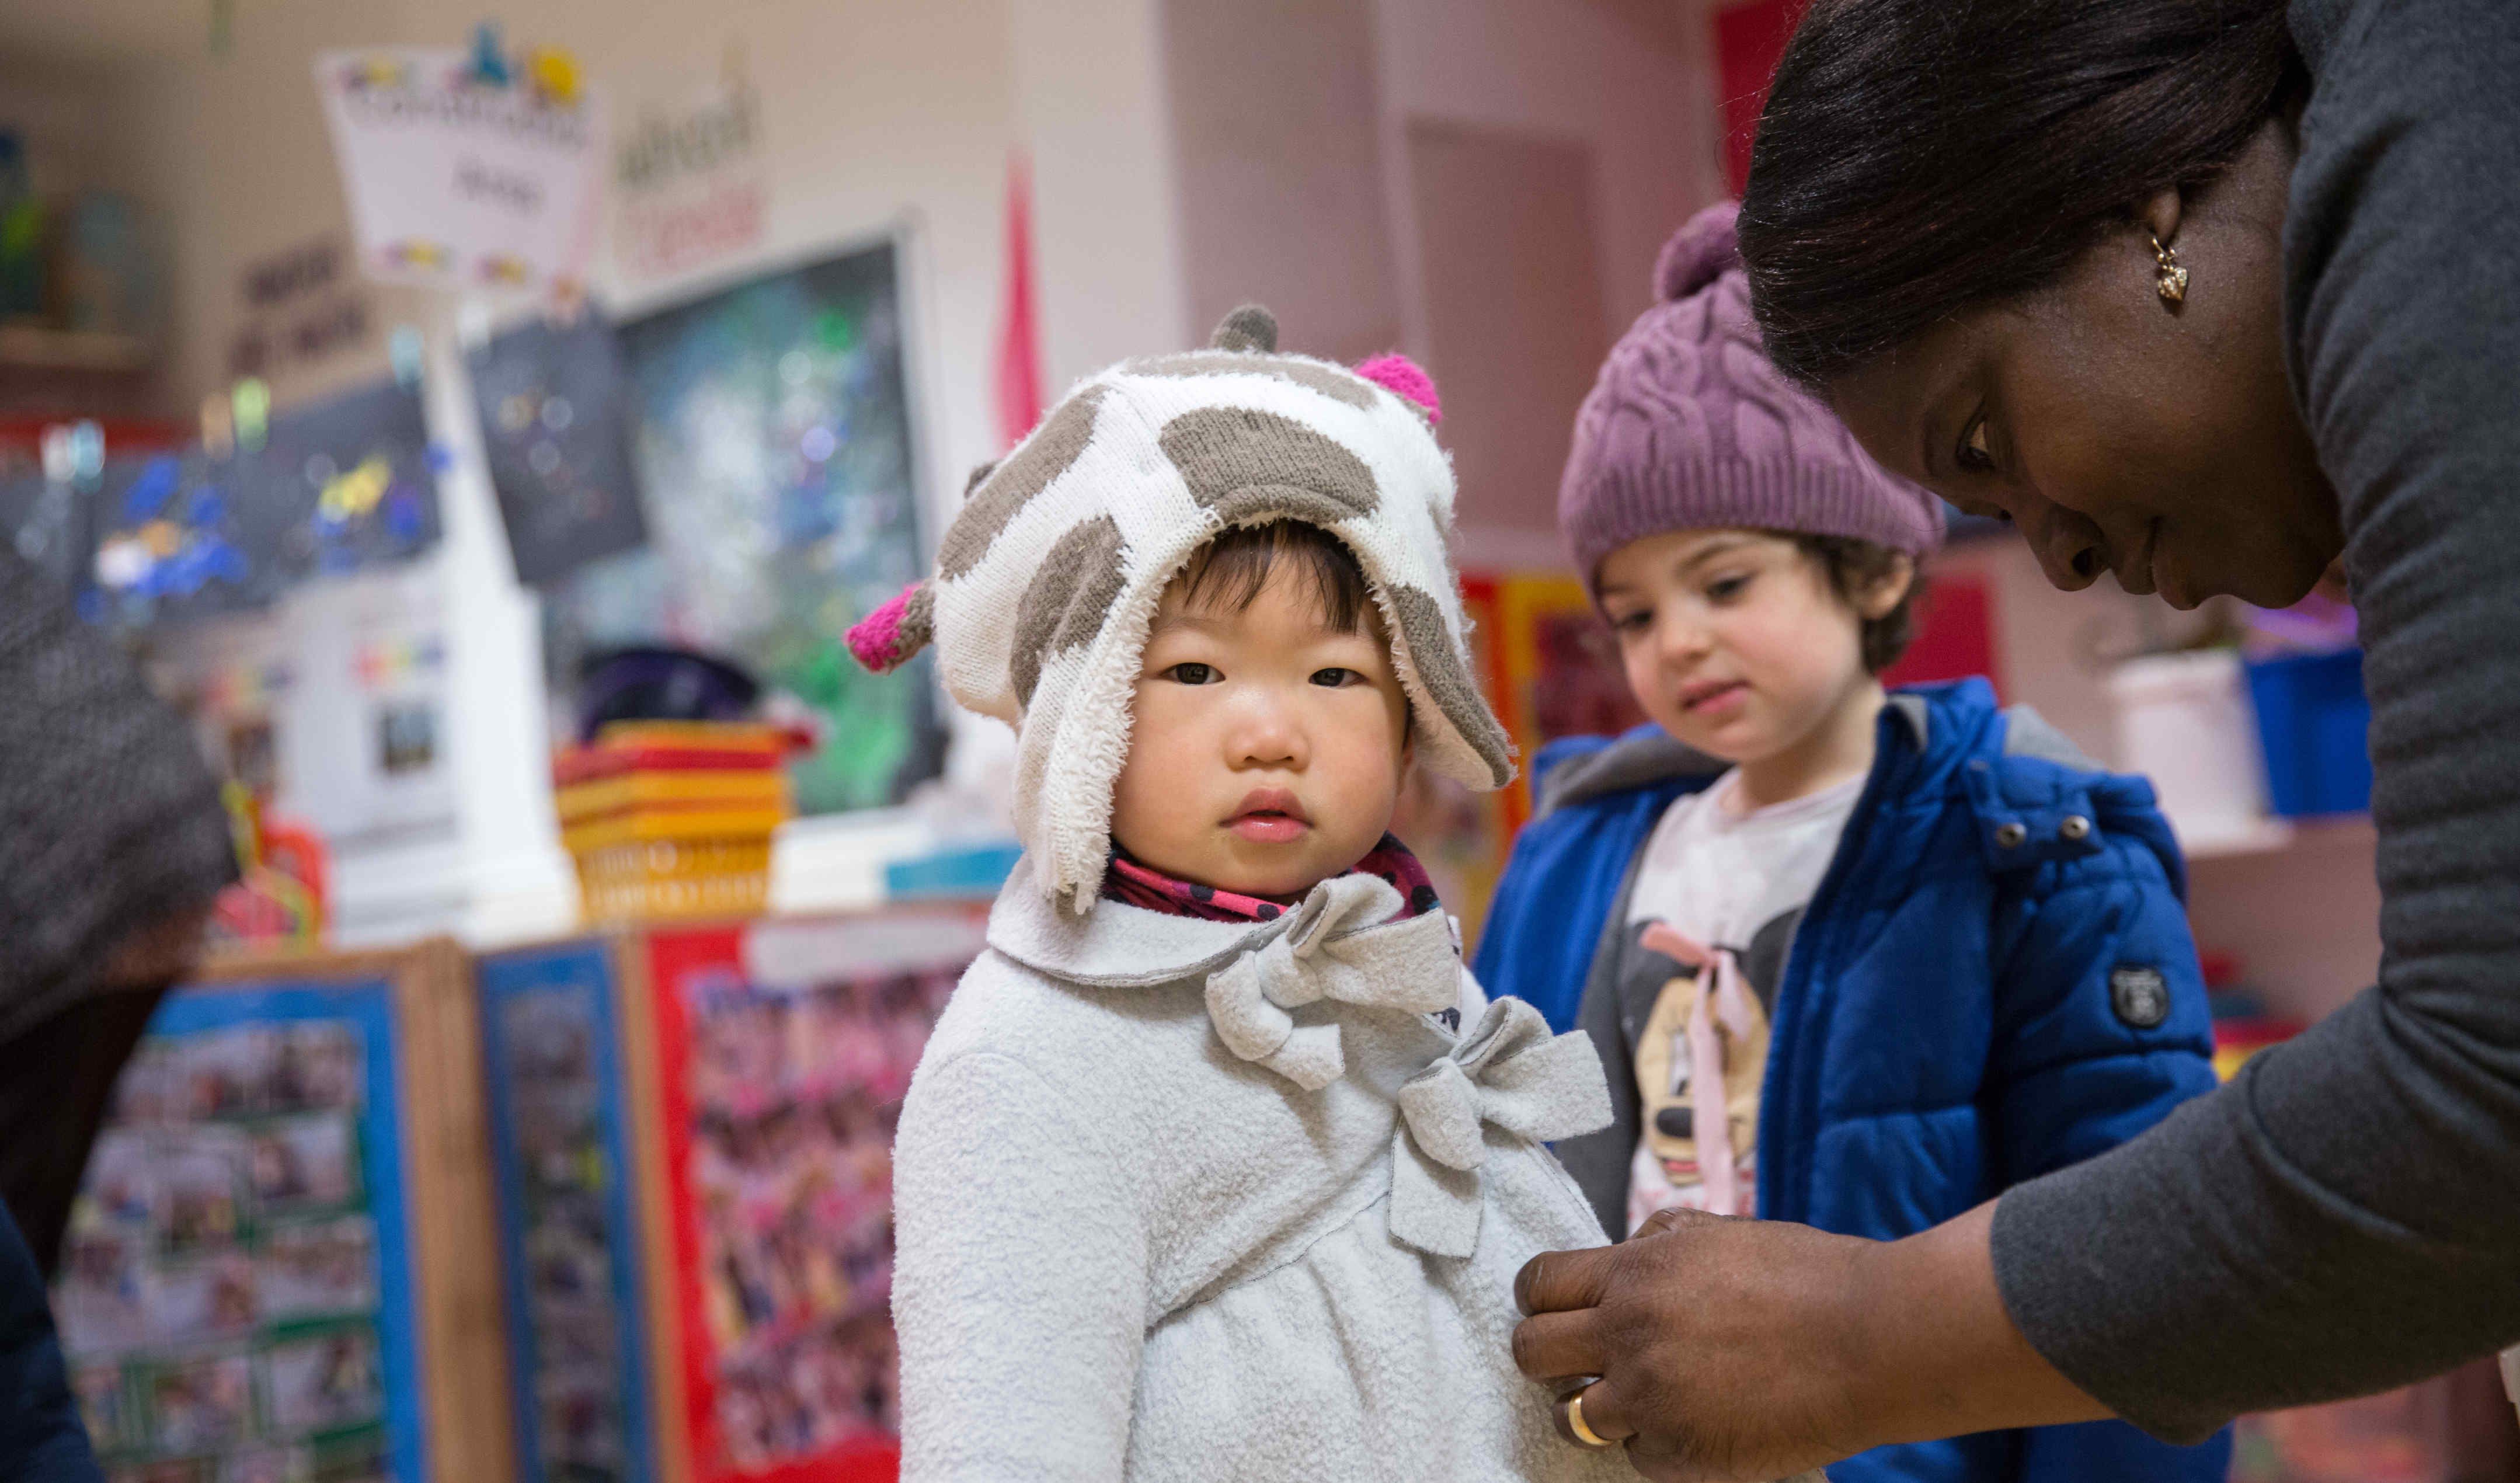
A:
<point x="1855" y="567"/>
<point x="1918" y="158"/>
<point x="1229" y="571"/>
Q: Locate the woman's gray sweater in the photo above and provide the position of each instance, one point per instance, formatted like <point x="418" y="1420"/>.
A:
<point x="2345" y="1217"/>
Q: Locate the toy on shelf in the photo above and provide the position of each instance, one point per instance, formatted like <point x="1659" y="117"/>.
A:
<point x="282" y="896"/>
<point x="672" y="820"/>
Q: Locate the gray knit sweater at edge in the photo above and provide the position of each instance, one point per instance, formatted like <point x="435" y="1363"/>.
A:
<point x="2345" y="1217"/>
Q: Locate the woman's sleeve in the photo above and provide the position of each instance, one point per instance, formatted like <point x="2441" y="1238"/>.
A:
<point x="2345" y="1216"/>
<point x="1020" y="1287"/>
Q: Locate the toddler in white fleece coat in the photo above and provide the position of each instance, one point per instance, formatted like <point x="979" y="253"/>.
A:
<point x="1218" y="1165"/>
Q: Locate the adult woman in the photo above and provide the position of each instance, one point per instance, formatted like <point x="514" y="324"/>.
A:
<point x="2202" y="292"/>
<point x="114" y="845"/>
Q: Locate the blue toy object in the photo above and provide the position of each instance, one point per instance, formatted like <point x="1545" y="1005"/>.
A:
<point x="2314" y="725"/>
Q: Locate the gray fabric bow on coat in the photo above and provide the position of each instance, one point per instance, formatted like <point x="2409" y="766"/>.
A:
<point x="1333" y="948"/>
<point x="1509" y="1071"/>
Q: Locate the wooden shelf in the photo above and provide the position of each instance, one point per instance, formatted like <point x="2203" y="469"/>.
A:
<point x="35" y="347"/>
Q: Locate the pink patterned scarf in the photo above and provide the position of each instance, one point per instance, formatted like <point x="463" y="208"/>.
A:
<point x="1128" y="881"/>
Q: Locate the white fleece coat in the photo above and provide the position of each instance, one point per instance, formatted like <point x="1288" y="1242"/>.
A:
<point x="1198" y="1201"/>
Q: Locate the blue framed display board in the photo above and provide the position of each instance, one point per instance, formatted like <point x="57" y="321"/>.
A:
<point x="273" y="1260"/>
<point x="567" y="1234"/>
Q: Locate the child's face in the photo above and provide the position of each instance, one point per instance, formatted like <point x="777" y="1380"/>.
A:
<point x="1735" y="641"/>
<point x="1268" y="747"/>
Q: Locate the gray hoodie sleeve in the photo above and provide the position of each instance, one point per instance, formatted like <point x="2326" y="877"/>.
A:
<point x="2345" y="1217"/>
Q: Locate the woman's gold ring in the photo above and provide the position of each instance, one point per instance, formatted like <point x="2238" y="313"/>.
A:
<point x="1571" y="1424"/>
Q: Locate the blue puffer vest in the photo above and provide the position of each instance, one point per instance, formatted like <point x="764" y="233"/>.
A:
<point x="1993" y="980"/>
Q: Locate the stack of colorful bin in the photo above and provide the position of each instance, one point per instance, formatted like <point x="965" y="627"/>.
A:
<point x="671" y="819"/>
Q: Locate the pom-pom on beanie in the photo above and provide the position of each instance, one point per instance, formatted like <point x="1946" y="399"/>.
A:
<point x="1048" y="579"/>
<point x="1690" y="427"/>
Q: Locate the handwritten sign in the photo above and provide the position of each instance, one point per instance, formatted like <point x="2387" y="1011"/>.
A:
<point x="298" y="307"/>
<point x="458" y="179"/>
<point x="690" y="182"/>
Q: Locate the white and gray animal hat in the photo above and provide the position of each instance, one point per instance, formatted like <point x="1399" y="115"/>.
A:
<point x="1048" y="579"/>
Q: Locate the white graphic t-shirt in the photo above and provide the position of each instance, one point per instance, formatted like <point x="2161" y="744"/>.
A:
<point x="1716" y="899"/>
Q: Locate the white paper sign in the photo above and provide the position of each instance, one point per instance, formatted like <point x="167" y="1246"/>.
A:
<point x="455" y="182"/>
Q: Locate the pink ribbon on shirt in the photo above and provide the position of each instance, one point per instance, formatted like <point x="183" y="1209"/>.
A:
<point x="1728" y="1003"/>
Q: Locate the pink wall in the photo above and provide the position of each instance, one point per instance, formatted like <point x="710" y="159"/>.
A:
<point x="1483" y="183"/>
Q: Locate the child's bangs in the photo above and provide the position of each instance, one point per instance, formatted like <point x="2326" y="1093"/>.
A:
<point x="1230" y="571"/>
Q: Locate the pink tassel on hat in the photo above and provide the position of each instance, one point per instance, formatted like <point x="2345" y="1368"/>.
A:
<point x="884" y="640"/>
<point x="1405" y="379"/>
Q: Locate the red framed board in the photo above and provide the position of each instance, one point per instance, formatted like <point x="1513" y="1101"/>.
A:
<point x="756" y="1072"/>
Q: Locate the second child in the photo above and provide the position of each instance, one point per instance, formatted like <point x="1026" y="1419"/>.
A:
<point x="1855" y="959"/>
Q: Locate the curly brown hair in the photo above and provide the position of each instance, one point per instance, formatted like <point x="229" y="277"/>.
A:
<point x="1856" y="567"/>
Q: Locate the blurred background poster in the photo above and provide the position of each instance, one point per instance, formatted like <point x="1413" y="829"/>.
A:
<point x="551" y="399"/>
<point x="328" y="489"/>
<point x="772" y="445"/>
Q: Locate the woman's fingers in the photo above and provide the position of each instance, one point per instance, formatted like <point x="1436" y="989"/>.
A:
<point x="1719" y="1343"/>
<point x="1557" y="1346"/>
<point x="1558" y="1282"/>
<point x="1664" y="1220"/>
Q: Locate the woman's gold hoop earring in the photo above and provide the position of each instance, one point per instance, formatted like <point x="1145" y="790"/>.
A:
<point x="2170" y="282"/>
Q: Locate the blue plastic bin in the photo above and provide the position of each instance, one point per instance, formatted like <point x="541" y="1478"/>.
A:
<point x="2315" y="726"/>
<point x="972" y="872"/>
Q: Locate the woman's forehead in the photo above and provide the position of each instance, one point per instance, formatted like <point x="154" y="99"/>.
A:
<point x="1893" y="402"/>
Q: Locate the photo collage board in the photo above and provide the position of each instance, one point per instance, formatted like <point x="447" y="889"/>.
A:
<point x="235" y="1301"/>
<point x="567" y="1232"/>
<point x="780" y="1101"/>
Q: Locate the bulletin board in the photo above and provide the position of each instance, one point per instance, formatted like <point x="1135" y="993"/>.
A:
<point x="335" y="486"/>
<point x="555" y="430"/>
<point x="567" y="1229"/>
<point x="1555" y="669"/>
<point x="277" y="1264"/>
<point x="693" y="1139"/>
<point x="773" y="445"/>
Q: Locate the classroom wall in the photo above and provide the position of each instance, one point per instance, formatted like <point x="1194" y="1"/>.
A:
<point x="56" y="112"/>
<point x="873" y="112"/>
<point x="1627" y="82"/>
<point x="1277" y="110"/>
<point x="1372" y="169"/>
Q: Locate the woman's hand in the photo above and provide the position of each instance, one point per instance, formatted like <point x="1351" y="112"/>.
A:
<point x="1737" y="1351"/>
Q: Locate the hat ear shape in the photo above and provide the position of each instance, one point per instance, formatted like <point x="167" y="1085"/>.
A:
<point x="1405" y="379"/>
<point x="1249" y="327"/>
<point x="885" y="639"/>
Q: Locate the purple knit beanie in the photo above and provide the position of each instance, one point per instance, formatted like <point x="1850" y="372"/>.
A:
<point x="1690" y="427"/>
